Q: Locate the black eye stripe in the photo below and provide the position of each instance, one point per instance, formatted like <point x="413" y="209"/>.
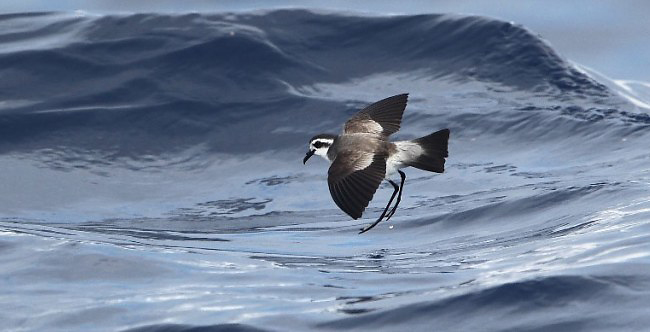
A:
<point x="319" y="144"/>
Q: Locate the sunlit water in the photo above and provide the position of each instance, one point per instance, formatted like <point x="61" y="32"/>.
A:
<point x="152" y="177"/>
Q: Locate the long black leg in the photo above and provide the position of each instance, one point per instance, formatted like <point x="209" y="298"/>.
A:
<point x="396" y="188"/>
<point x="399" y="197"/>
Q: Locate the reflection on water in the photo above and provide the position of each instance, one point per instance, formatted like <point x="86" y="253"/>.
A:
<point x="159" y="185"/>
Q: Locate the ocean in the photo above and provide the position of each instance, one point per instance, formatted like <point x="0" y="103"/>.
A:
<point x="151" y="177"/>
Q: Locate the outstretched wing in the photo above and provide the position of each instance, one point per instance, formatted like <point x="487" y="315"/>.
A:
<point x="353" y="179"/>
<point x="381" y="118"/>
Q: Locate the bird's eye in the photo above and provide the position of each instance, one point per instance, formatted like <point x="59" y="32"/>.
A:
<point x="318" y="145"/>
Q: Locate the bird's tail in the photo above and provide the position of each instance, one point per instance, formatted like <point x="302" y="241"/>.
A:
<point x="434" y="148"/>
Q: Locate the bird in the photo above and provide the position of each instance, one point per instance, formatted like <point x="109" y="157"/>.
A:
<point x="361" y="157"/>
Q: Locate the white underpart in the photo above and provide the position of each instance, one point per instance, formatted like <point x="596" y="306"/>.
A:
<point x="406" y="151"/>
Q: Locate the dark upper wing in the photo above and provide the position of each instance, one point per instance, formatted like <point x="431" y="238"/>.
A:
<point x="353" y="179"/>
<point x="381" y="118"/>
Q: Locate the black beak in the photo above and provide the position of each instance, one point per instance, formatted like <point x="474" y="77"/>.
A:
<point x="309" y="154"/>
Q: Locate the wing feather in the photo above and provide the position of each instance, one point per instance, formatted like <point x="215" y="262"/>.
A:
<point x="381" y="118"/>
<point x="351" y="186"/>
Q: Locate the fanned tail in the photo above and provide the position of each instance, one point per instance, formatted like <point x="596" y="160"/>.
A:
<point x="435" y="151"/>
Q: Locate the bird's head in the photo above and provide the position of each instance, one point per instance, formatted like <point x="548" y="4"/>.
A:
<point x="319" y="145"/>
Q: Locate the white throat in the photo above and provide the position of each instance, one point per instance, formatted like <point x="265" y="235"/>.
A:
<point x="323" y="153"/>
<point x="320" y="146"/>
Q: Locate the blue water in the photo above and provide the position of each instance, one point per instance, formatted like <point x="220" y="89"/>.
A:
<point x="152" y="178"/>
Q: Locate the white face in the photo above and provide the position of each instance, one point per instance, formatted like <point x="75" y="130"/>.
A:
<point x="320" y="146"/>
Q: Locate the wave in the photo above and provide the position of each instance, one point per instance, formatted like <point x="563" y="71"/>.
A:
<point x="190" y="328"/>
<point x="566" y="301"/>
<point x="511" y="207"/>
<point x="165" y="150"/>
<point x="152" y="84"/>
